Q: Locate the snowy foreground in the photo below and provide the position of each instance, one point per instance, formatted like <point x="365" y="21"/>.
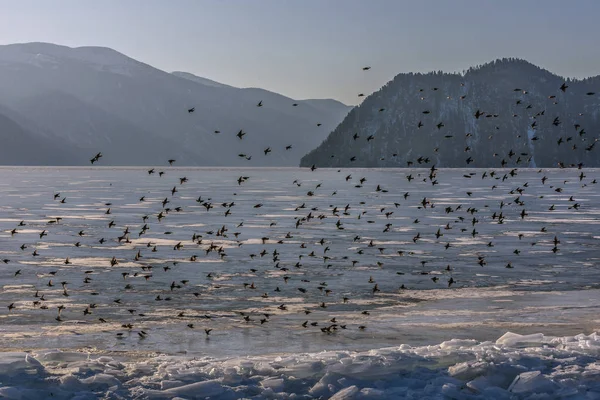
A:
<point x="514" y="367"/>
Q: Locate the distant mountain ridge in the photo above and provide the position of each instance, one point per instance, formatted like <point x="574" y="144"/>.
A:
<point x="524" y="119"/>
<point x="91" y="99"/>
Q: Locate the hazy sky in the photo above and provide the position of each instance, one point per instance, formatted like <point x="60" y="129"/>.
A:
<point x="316" y="48"/>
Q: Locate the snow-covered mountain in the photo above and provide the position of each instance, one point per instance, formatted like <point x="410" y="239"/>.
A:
<point x="92" y="99"/>
<point x="505" y="113"/>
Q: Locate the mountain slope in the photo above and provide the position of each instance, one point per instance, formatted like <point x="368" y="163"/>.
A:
<point x="199" y="79"/>
<point x="16" y="147"/>
<point x="323" y="106"/>
<point x="513" y="121"/>
<point x="89" y="129"/>
<point x="133" y="100"/>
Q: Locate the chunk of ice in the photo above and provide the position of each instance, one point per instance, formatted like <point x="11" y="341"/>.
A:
<point x="532" y="382"/>
<point x="510" y="339"/>
<point x="348" y="393"/>
<point x="206" y="389"/>
<point x="18" y="363"/>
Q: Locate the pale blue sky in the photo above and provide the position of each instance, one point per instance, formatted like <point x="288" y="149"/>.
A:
<point x="316" y="48"/>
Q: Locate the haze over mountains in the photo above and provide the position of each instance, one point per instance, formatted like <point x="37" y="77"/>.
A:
<point x="526" y="121"/>
<point x="61" y="105"/>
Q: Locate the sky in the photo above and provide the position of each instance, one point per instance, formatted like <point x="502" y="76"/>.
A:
<point x="317" y="48"/>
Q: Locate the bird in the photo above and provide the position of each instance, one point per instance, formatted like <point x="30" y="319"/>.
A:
<point x="95" y="158"/>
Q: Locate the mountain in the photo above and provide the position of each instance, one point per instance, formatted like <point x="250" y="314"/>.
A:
<point x="525" y="116"/>
<point x="17" y="148"/>
<point x="94" y="99"/>
<point x="326" y="106"/>
<point x="329" y="105"/>
<point x="198" y="79"/>
<point x="319" y="109"/>
<point x="125" y="143"/>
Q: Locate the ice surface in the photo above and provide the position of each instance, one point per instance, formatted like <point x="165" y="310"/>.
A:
<point x="427" y="340"/>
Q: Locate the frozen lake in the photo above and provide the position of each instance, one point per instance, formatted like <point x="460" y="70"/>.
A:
<point x="483" y="257"/>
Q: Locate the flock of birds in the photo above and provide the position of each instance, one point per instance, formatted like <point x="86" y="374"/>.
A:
<point x="461" y="218"/>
